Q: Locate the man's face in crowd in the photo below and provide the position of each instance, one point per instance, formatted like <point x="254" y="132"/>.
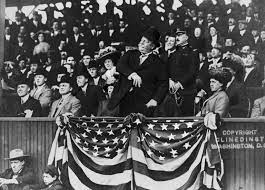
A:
<point x="229" y="42"/>
<point x="145" y="45"/>
<point x="197" y="32"/>
<point x="7" y="30"/>
<point x="86" y="60"/>
<point x="213" y="31"/>
<point x="181" y="39"/>
<point x="171" y="42"/>
<point x="81" y="80"/>
<point x="255" y="32"/>
<point x="93" y="72"/>
<point x="241" y="26"/>
<point x="23" y="90"/>
<point x="122" y="24"/>
<point x="22" y="64"/>
<point x="40" y="80"/>
<point x="249" y="60"/>
<point x="48" y="179"/>
<point x="216" y="53"/>
<point x="170" y="15"/>
<point x="75" y="30"/>
<point x="33" y="67"/>
<point x="55" y="26"/>
<point x="187" y="23"/>
<point x="71" y="60"/>
<point x="245" y="50"/>
<point x="231" y="21"/>
<point x="209" y="17"/>
<point x="64" y="88"/>
<point x="200" y="14"/>
<point x="17" y="165"/>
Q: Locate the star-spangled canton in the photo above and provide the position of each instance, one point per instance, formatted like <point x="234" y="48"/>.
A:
<point x="151" y="126"/>
<point x="160" y="141"/>
<point x="164" y="127"/>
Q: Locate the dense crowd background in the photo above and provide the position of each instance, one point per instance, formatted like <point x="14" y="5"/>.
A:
<point x="83" y="47"/>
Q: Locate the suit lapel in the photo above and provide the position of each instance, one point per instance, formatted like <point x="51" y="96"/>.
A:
<point x="65" y="101"/>
<point x="211" y="97"/>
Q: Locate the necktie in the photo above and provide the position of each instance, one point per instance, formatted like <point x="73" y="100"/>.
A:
<point x="59" y="105"/>
<point x="142" y="58"/>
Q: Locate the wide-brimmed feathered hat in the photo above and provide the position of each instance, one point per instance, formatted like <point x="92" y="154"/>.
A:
<point x="109" y="53"/>
<point x="223" y="75"/>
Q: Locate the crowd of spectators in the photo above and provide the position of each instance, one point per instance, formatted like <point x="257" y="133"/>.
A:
<point x="69" y="64"/>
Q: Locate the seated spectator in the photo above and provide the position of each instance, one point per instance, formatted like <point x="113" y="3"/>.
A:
<point x="252" y="76"/>
<point x="26" y="106"/>
<point x="50" y="180"/>
<point x="219" y="101"/>
<point x="258" y="109"/>
<point x="33" y="67"/>
<point x="95" y="78"/>
<point x="23" y="66"/>
<point x="109" y="57"/>
<point x="10" y="76"/>
<point x="214" y="38"/>
<point x="60" y="72"/>
<point x="216" y="60"/>
<point x="90" y="96"/>
<point x="42" y="46"/>
<point x="67" y="103"/>
<point x="19" y="174"/>
<point x="41" y="91"/>
<point x="236" y="91"/>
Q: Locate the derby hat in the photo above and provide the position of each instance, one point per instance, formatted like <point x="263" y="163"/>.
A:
<point x="153" y="35"/>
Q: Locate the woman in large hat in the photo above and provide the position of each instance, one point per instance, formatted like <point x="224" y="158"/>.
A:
<point x="218" y="102"/>
<point x="108" y="60"/>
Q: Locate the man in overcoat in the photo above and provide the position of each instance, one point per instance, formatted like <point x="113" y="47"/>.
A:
<point x="143" y="78"/>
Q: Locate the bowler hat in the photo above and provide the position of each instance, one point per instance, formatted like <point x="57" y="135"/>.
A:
<point x="93" y="64"/>
<point x="153" y="35"/>
<point x="61" y="70"/>
<point x="66" y="79"/>
<point x="242" y="21"/>
<point x="180" y="32"/>
<point x="25" y="81"/>
<point x="16" y="154"/>
<point x="41" y="71"/>
<point x="82" y="72"/>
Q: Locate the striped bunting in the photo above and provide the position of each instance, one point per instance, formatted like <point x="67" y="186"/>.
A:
<point x="136" y="153"/>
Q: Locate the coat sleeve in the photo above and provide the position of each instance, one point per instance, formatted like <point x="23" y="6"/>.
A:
<point x="27" y="177"/>
<point x="222" y="106"/>
<point x="256" y="110"/>
<point x="45" y="98"/>
<point x="76" y="107"/>
<point x="123" y="65"/>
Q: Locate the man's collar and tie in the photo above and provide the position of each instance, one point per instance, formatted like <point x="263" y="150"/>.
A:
<point x="143" y="57"/>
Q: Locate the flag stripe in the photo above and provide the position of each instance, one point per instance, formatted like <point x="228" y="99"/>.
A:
<point x="167" y="175"/>
<point x="167" y="166"/>
<point x="94" y="177"/>
<point x="100" y="168"/>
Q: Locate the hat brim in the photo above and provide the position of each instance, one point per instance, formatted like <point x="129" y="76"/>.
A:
<point x="14" y="158"/>
<point x="114" y="56"/>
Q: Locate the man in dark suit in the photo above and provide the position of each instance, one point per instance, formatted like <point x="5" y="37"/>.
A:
<point x="76" y="40"/>
<point x="19" y="175"/>
<point x="90" y="96"/>
<point x="26" y="106"/>
<point x="183" y="70"/>
<point x="143" y="78"/>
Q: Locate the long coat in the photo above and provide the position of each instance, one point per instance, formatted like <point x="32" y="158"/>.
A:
<point x="217" y="103"/>
<point x="258" y="107"/>
<point x="25" y="177"/>
<point x="254" y="78"/>
<point x="70" y="105"/>
<point x="154" y="83"/>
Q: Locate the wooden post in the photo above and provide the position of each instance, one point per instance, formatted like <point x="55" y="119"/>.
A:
<point x="2" y="29"/>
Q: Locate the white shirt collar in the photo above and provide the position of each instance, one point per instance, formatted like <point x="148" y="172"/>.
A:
<point x="25" y="98"/>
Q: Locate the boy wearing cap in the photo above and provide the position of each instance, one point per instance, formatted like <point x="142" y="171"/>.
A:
<point x="67" y="103"/>
<point x="93" y="70"/>
<point x="26" y="106"/>
<point x="19" y="175"/>
<point x="41" y="91"/>
<point x="143" y="78"/>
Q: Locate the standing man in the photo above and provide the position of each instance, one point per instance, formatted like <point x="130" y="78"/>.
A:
<point x="19" y="175"/>
<point x="183" y="69"/>
<point x="143" y="78"/>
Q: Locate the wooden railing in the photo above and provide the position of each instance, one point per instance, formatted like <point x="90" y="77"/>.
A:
<point x="242" y="143"/>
